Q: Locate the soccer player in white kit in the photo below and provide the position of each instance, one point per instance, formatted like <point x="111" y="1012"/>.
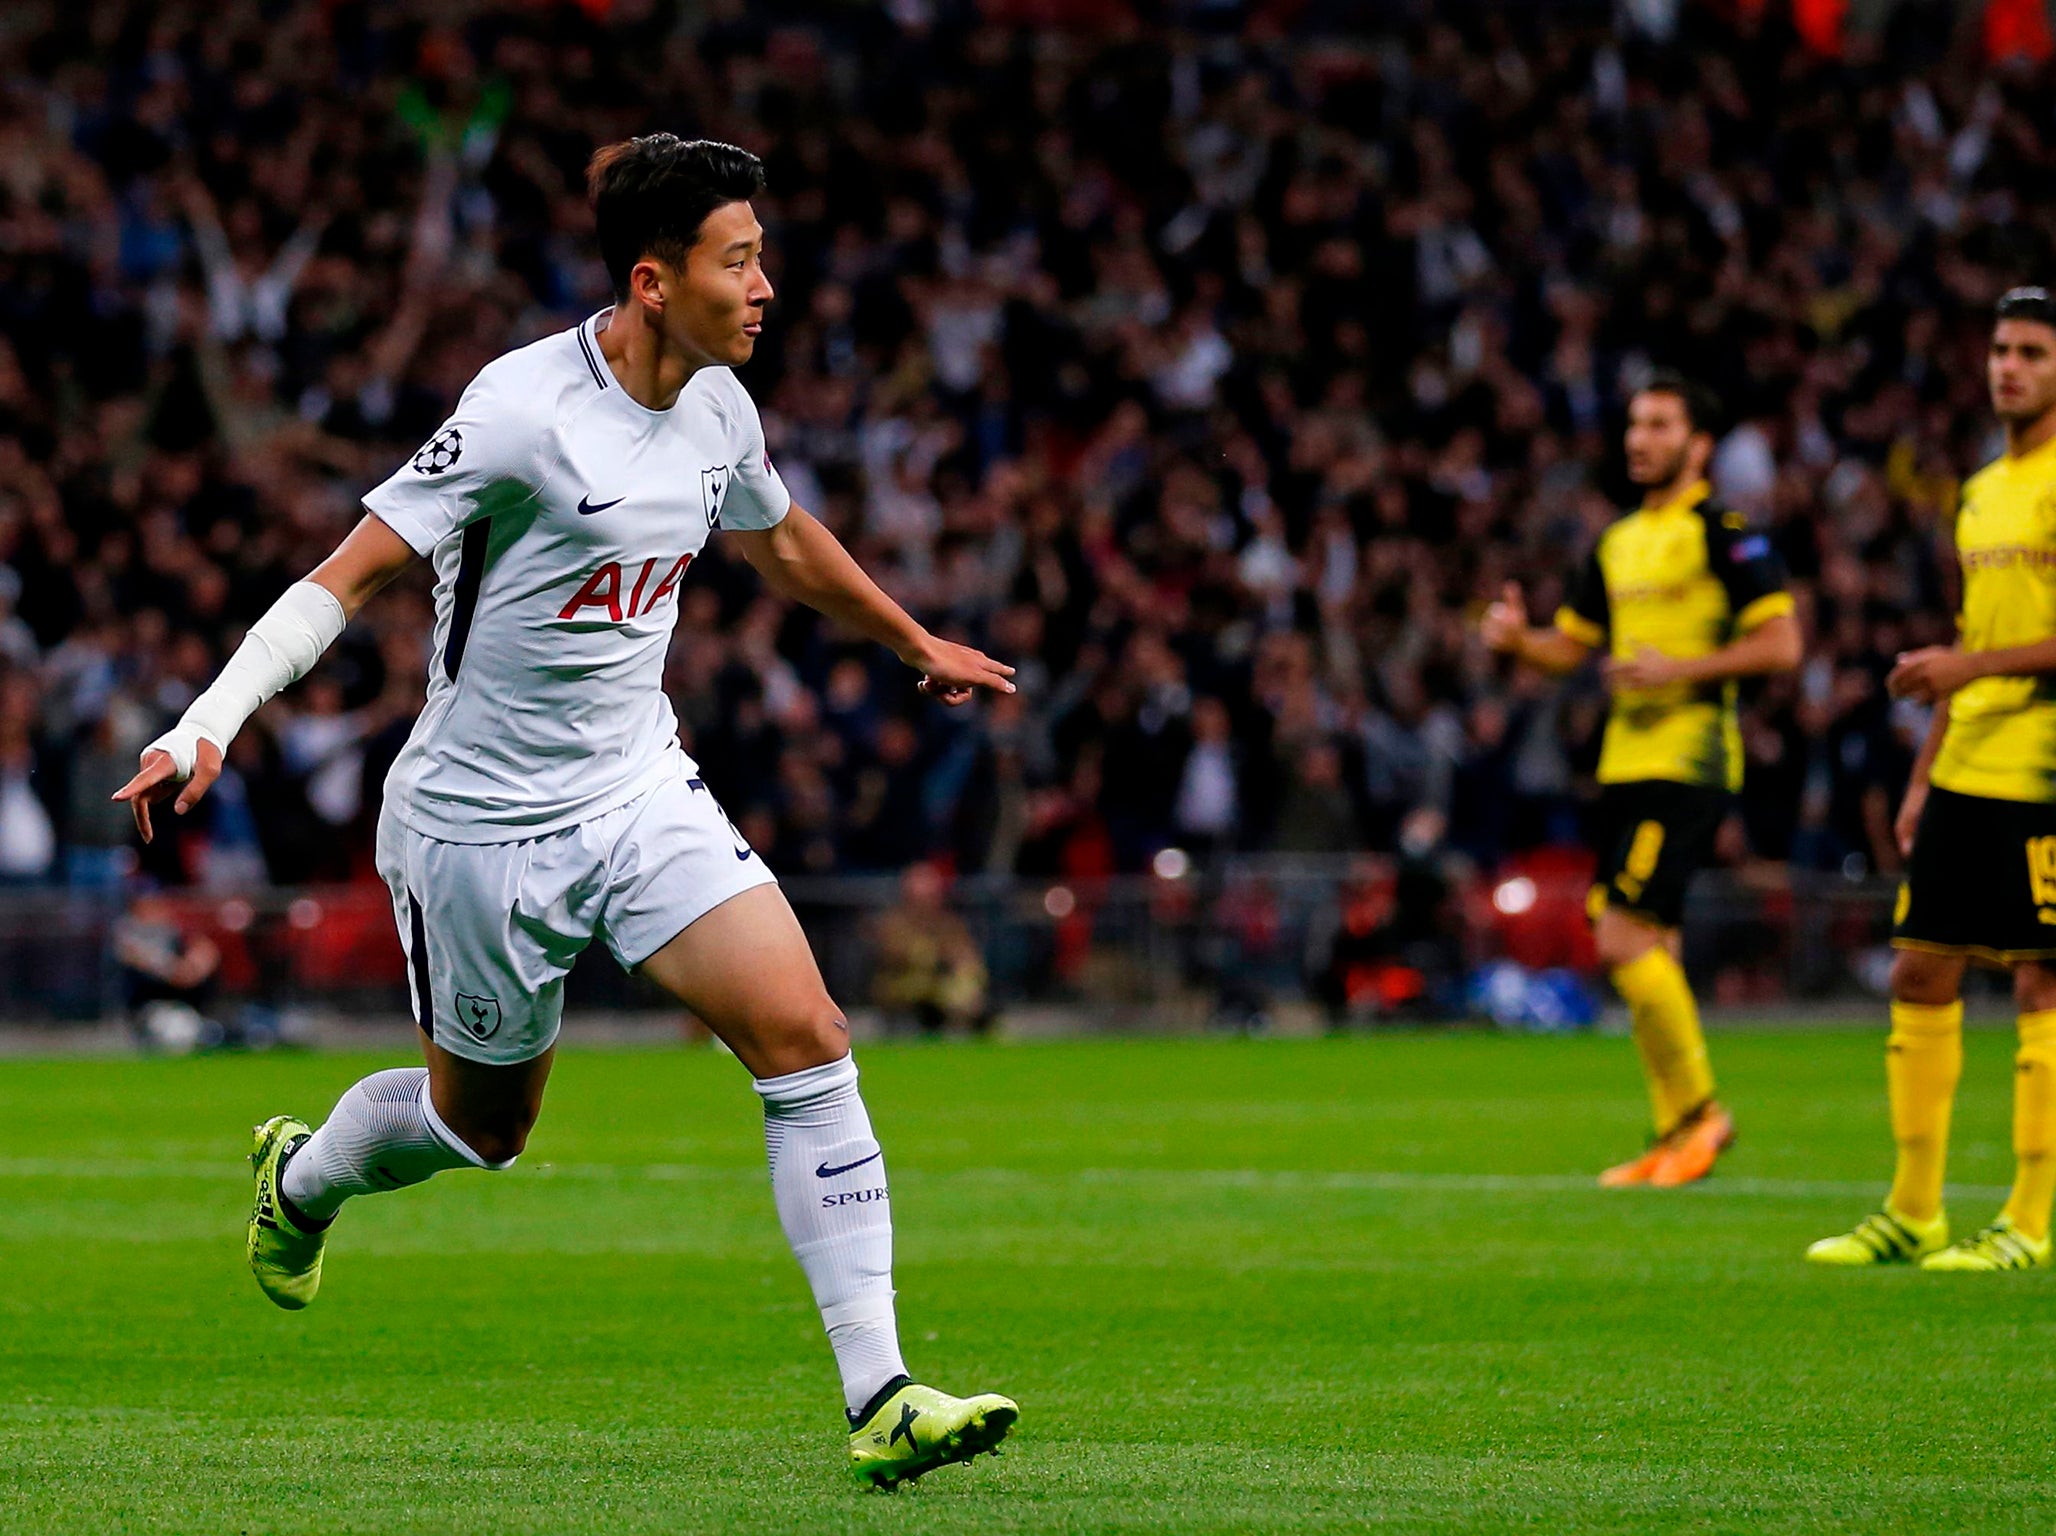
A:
<point x="543" y="799"/>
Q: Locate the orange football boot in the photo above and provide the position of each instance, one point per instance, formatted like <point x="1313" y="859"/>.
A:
<point x="1637" y="1169"/>
<point x="1690" y="1151"/>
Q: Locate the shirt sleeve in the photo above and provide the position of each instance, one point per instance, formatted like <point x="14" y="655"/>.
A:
<point x="755" y="497"/>
<point x="479" y="461"/>
<point x="1586" y="615"/>
<point x="1749" y="569"/>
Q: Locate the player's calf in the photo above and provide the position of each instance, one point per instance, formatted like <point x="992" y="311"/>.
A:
<point x="493" y="1144"/>
<point x="486" y="1108"/>
<point x="384" y="1134"/>
<point x="828" y="1180"/>
<point x="745" y="968"/>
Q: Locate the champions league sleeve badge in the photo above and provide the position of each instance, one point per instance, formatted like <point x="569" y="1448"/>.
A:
<point x="440" y="452"/>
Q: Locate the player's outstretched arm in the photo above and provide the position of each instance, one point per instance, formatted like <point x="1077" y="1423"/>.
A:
<point x="280" y="648"/>
<point x="800" y="559"/>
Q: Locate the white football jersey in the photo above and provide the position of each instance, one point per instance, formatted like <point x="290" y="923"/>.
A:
<point x="561" y="517"/>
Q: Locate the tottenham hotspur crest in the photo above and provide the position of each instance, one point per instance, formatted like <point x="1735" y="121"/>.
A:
<point x="440" y="452"/>
<point x="713" y="486"/>
<point x="480" y="1016"/>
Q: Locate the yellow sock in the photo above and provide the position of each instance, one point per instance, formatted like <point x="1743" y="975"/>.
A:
<point x="1666" y="1021"/>
<point x="1923" y="1060"/>
<point x="2034" y="1125"/>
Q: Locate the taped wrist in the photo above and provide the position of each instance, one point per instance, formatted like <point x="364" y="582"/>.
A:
<point x="281" y="648"/>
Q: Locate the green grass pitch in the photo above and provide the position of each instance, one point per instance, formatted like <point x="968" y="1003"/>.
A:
<point x="1236" y="1286"/>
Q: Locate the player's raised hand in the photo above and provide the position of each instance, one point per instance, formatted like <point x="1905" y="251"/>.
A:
<point x="953" y="673"/>
<point x="1506" y="621"/>
<point x="1930" y="674"/>
<point x="158" y="781"/>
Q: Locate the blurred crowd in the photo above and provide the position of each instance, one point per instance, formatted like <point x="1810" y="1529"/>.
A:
<point x="1210" y="361"/>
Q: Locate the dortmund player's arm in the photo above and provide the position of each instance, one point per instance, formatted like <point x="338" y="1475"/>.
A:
<point x="1908" y="821"/>
<point x="1766" y="634"/>
<point x="1562" y="647"/>
<point x="1774" y="645"/>
<point x="1933" y="672"/>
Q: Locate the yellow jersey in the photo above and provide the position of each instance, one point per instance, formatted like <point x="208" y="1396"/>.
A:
<point x="1685" y="579"/>
<point x="2001" y="741"/>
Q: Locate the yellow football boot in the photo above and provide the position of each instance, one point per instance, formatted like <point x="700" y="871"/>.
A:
<point x="1885" y="1238"/>
<point x="2002" y="1245"/>
<point x="909" y="1429"/>
<point x="285" y="1260"/>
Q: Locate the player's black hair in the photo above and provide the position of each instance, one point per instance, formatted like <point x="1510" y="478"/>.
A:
<point x="651" y="195"/>
<point x="2025" y="304"/>
<point x="1702" y="405"/>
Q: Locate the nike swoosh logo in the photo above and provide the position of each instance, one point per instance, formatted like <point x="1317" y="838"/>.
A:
<point x="826" y="1172"/>
<point x="587" y="508"/>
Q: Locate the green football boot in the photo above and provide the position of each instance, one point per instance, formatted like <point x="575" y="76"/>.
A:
<point x="285" y="1260"/>
<point x="909" y="1429"/>
<point x="2000" y="1246"/>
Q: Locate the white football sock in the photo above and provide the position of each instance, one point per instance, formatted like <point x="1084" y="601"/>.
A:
<point x="383" y="1134"/>
<point x="828" y="1177"/>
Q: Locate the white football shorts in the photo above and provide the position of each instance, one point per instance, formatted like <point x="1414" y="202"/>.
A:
<point x="491" y="929"/>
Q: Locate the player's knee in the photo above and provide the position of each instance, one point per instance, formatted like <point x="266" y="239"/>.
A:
<point x="808" y="1036"/>
<point x="2034" y="988"/>
<point x="822" y="1032"/>
<point x="1621" y="939"/>
<point x="1918" y="977"/>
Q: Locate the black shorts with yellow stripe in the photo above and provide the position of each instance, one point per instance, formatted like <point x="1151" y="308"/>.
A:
<point x="1653" y="836"/>
<point x="1982" y="880"/>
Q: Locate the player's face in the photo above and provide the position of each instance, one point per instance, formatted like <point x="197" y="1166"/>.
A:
<point x="2021" y="369"/>
<point x="714" y="305"/>
<point x="1662" y="447"/>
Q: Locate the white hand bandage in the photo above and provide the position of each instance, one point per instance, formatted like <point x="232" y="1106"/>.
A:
<point x="280" y="648"/>
<point x="182" y="743"/>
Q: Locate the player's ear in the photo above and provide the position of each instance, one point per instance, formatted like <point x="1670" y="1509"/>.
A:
<point x="646" y="283"/>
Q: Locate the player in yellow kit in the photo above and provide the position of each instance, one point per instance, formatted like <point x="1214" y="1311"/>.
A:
<point x="1687" y="601"/>
<point x="1979" y="824"/>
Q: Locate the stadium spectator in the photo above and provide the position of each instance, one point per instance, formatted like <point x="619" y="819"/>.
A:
<point x="28" y="832"/>
<point x="161" y="962"/>
<point x="929" y="968"/>
<point x="1214" y="385"/>
<point x="1391" y="947"/>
